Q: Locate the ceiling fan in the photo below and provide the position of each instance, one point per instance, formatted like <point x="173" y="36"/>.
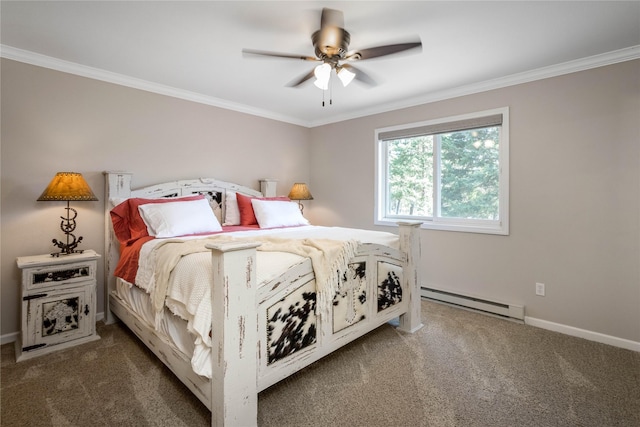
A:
<point x="331" y="43"/>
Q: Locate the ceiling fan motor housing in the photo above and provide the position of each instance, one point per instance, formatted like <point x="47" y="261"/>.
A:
<point x="331" y="42"/>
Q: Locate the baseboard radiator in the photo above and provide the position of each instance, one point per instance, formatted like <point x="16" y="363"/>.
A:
<point x="511" y="311"/>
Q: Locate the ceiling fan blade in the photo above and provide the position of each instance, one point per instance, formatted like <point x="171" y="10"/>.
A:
<point x="375" y="52"/>
<point x="360" y="75"/>
<point x="299" y="81"/>
<point x="278" y="54"/>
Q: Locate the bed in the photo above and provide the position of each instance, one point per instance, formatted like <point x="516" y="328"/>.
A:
<point x="284" y="295"/>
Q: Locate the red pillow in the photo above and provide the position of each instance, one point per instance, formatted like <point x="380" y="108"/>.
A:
<point x="128" y="225"/>
<point x="247" y="217"/>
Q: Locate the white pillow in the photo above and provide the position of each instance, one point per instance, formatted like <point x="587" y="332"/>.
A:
<point x="231" y="213"/>
<point x="277" y="213"/>
<point x="179" y="218"/>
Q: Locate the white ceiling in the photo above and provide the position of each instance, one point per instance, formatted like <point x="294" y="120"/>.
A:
<point x="193" y="49"/>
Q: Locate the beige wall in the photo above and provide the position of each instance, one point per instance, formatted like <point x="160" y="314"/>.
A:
<point x="53" y="121"/>
<point x="575" y="180"/>
<point x="574" y="198"/>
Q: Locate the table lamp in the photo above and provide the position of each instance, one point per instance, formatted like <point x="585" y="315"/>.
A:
<point x="68" y="186"/>
<point x="299" y="192"/>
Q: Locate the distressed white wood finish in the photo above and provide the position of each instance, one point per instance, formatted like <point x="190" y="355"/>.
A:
<point x="76" y="280"/>
<point x="239" y="324"/>
<point x="268" y="187"/>
<point x="234" y="335"/>
<point x="117" y="186"/>
<point x="328" y="341"/>
<point x="410" y="244"/>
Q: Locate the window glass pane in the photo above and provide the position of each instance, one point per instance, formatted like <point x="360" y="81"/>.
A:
<point x="410" y="176"/>
<point x="470" y="174"/>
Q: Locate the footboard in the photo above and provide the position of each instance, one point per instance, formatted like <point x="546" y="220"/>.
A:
<point x="252" y="352"/>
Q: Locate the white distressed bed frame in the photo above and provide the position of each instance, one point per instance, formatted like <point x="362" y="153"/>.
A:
<point x="240" y="370"/>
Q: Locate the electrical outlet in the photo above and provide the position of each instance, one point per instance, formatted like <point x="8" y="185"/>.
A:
<point x="540" y="289"/>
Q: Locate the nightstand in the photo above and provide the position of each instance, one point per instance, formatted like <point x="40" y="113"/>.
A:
<point x="58" y="302"/>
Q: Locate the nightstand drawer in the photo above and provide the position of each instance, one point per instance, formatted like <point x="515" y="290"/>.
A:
<point x="60" y="277"/>
<point x="66" y="271"/>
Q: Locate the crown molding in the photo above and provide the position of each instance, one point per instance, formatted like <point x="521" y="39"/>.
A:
<point x="44" y="61"/>
<point x="609" y="58"/>
<point x="601" y="60"/>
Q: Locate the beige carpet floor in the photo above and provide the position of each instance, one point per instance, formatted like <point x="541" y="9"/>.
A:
<point x="461" y="369"/>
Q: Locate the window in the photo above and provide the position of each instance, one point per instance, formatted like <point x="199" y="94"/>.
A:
<point x="452" y="174"/>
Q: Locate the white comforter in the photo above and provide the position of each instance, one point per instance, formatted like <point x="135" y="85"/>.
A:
<point x="188" y="294"/>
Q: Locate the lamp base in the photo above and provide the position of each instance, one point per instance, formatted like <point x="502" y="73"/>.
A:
<point x="68" y="225"/>
<point x="67" y="248"/>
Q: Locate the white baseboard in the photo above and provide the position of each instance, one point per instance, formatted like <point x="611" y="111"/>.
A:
<point x="7" y="338"/>
<point x="583" y="333"/>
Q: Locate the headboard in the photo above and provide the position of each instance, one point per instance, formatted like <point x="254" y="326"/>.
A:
<point x="118" y="187"/>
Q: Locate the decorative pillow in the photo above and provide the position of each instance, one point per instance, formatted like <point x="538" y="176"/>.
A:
<point x="247" y="217"/>
<point x="231" y="213"/>
<point x="179" y="218"/>
<point x="275" y="213"/>
<point x="128" y="225"/>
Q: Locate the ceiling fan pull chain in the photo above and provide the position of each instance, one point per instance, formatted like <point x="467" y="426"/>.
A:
<point x="330" y="90"/>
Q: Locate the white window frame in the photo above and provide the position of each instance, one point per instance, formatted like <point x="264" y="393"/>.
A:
<point x="500" y="226"/>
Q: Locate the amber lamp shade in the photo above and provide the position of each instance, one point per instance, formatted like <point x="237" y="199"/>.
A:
<point x="298" y="192"/>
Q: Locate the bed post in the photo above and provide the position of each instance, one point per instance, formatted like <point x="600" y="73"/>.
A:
<point x="268" y="187"/>
<point x="117" y="185"/>
<point x="410" y="245"/>
<point x="234" y="326"/>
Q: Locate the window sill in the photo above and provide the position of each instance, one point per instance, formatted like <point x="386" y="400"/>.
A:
<point x="497" y="229"/>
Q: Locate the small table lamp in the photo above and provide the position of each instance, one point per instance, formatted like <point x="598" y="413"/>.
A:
<point x="298" y="192"/>
<point x="67" y="186"/>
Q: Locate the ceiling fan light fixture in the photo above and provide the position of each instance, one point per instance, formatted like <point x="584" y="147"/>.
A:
<point x="322" y="73"/>
<point x="321" y="84"/>
<point x="345" y="76"/>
